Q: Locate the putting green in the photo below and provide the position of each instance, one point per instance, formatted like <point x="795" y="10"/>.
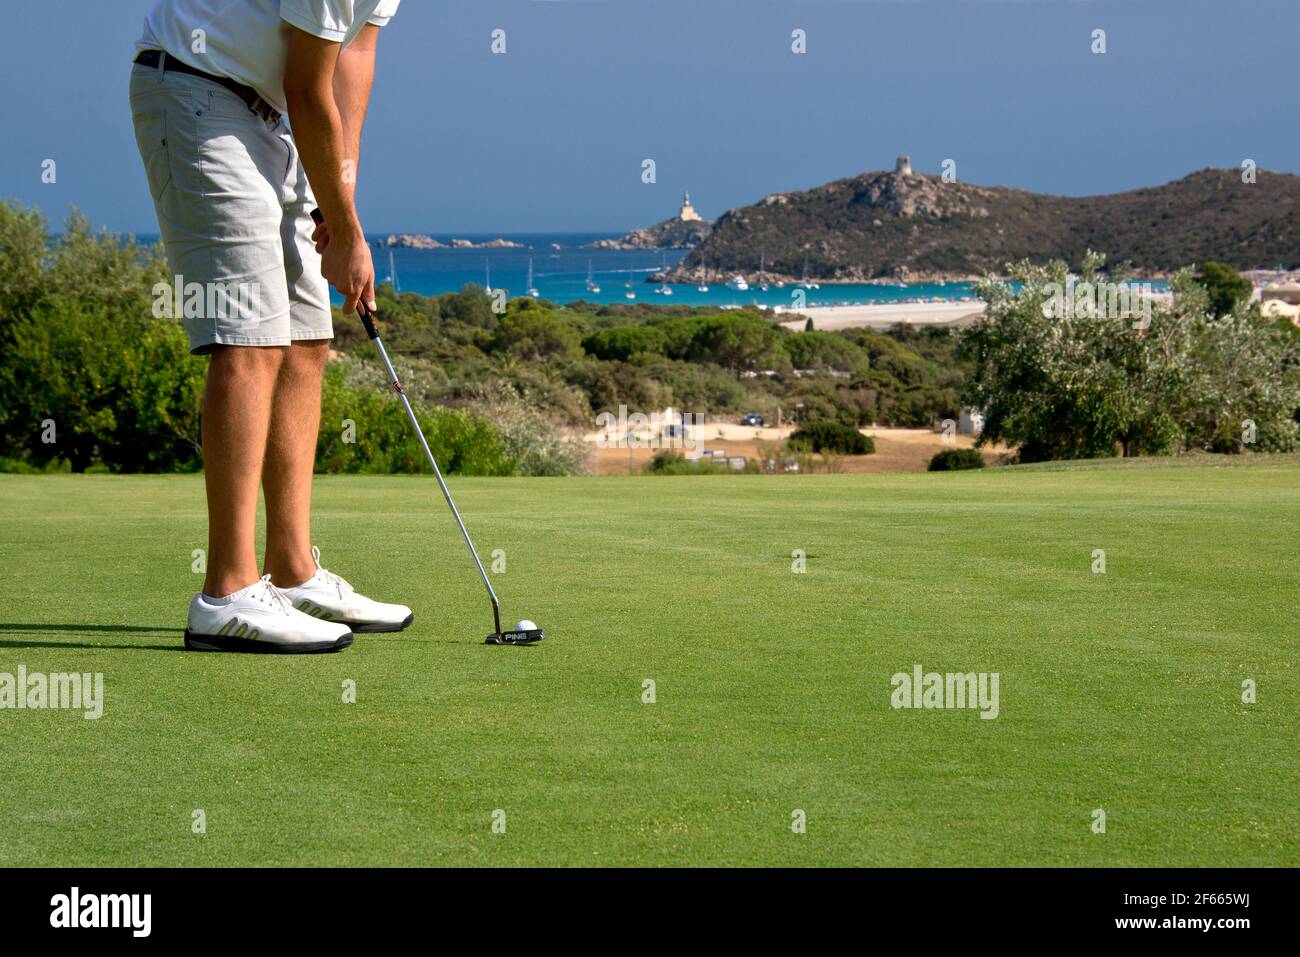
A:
<point x="772" y="690"/>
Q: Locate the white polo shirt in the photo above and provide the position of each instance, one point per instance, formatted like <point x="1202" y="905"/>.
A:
<point x="248" y="40"/>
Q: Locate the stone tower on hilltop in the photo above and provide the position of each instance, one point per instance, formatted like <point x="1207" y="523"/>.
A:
<point x="688" y="213"/>
<point x="903" y="167"/>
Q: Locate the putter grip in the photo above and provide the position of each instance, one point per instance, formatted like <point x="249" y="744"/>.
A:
<point x="367" y="317"/>
<point x="367" y="320"/>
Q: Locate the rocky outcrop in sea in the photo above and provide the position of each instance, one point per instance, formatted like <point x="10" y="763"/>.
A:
<point x="408" y="241"/>
<point x="670" y="234"/>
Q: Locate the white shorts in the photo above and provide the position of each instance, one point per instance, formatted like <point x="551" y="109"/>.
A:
<point x="234" y="211"/>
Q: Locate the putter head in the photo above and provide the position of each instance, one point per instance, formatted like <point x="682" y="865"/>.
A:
<point x="525" y="637"/>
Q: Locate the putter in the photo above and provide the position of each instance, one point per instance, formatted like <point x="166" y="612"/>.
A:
<point x="525" y="632"/>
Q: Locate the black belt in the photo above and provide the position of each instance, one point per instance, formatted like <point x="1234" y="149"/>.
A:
<point x="252" y="99"/>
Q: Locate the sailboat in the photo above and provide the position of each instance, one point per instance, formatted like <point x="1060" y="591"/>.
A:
<point x="532" y="290"/>
<point x="629" y="294"/>
<point x="487" y="286"/>
<point x="663" y="289"/>
<point x="762" y="269"/>
<point x="392" y="273"/>
<point x="805" y="284"/>
<point x="591" y="282"/>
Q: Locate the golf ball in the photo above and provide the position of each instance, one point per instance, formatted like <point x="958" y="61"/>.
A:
<point x="525" y="625"/>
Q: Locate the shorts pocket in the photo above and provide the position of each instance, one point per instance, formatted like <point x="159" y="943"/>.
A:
<point x="151" y="138"/>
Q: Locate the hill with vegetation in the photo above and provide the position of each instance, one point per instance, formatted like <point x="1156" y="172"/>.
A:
<point x="910" y="226"/>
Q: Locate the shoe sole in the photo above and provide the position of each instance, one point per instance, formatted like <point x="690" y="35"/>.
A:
<point x="197" y="642"/>
<point x="380" y="628"/>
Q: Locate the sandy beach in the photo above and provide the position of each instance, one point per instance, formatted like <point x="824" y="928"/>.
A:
<point x="830" y="318"/>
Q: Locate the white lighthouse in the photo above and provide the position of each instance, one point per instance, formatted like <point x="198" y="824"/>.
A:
<point x="688" y="213"/>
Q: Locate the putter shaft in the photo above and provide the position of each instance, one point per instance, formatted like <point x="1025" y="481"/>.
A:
<point x="372" y="331"/>
<point x="415" y="423"/>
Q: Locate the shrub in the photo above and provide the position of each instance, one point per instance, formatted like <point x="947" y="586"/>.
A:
<point x="608" y="385"/>
<point x="424" y="382"/>
<point x="547" y="392"/>
<point x="383" y="441"/>
<point x="825" y="351"/>
<point x="827" y="400"/>
<point x="693" y="387"/>
<point x="668" y="462"/>
<point x="121" y="390"/>
<point x="826" y="436"/>
<point x="535" y="443"/>
<point x="954" y="460"/>
<point x="80" y="347"/>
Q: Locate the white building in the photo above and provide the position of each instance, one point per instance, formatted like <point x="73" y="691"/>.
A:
<point x="970" y="422"/>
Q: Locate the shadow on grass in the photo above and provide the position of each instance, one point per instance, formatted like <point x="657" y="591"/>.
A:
<point x="81" y="631"/>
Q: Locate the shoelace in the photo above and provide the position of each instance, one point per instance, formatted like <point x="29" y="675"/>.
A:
<point x="270" y="595"/>
<point x="339" y="583"/>
<point x="336" y="580"/>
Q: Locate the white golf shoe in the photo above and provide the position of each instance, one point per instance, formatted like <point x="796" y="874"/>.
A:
<point x="259" y="618"/>
<point x="326" y="595"/>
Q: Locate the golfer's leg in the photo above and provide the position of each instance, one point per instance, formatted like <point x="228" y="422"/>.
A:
<point x="236" y="416"/>
<point x="290" y="461"/>
<point x="295" y="416"/>
<point x="236" y="422"/>
<point x="215" y="172"/>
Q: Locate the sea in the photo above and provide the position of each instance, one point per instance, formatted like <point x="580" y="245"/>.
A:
<point x="562" y="262"/>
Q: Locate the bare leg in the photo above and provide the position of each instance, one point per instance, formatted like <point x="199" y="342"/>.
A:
<point x="236" y="414"/>
<point x="290" y="460"/>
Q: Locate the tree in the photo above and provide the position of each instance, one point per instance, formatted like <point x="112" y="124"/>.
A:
<point x="623" y="342"/>
<point x="679" y="335"/>
<point x="470" y="306"/>
<point x="1225" y="287"/>
<point x="824" y="352"/>
<point x="743" y="342"/>
<point x="24" y="256"/>
<point x="1083" y="387"/>
<point x="535" y="334"/>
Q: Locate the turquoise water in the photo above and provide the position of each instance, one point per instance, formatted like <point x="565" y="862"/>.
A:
<point x="560" y="275"/>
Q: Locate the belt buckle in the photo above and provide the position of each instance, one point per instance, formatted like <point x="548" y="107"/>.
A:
<point x="270" y="116"/>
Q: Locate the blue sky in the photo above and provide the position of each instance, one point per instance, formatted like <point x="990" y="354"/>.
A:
<point x="551" y="136"/>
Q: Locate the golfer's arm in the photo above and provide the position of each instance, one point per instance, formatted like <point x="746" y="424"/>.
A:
<point x="353" y="78"/>
<point x="318" y="127"/>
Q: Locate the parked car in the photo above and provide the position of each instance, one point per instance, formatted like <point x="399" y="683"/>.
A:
<point x="752" y="419"/>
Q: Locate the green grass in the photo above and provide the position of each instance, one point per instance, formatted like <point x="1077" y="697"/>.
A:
<point x="1119" y="691"/>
